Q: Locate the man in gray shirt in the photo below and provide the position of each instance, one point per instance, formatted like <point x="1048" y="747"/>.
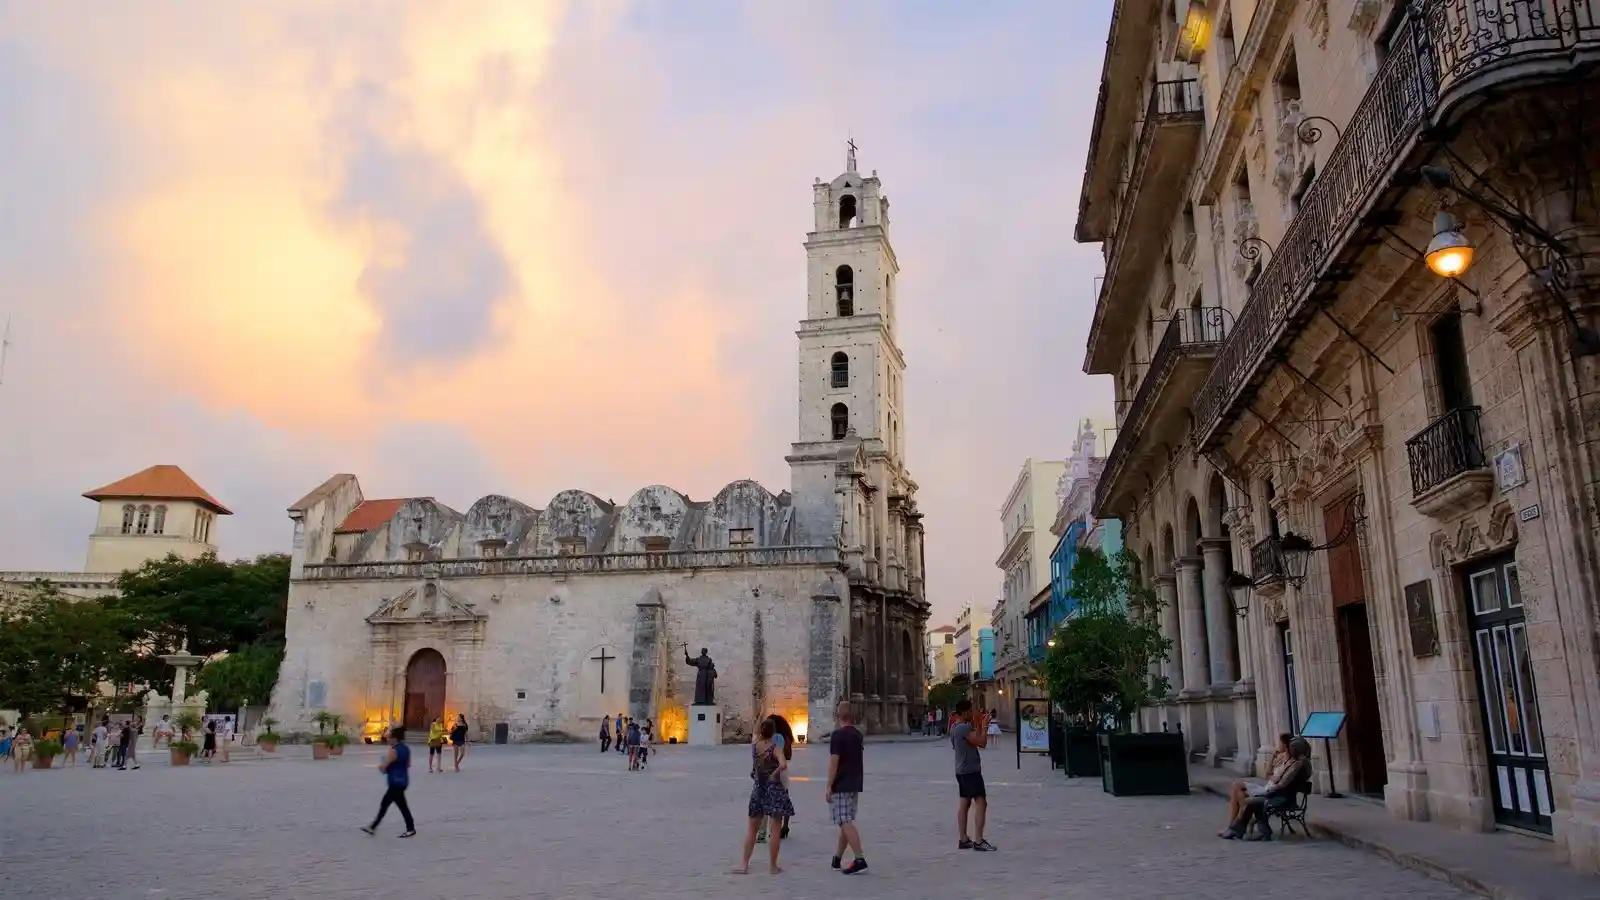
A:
<point x="969" y="734"/>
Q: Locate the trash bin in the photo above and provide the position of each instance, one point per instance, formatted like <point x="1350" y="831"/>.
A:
<point x="502" y="733"/>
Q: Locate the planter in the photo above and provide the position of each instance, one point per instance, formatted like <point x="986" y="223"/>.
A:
<point x="179" y="757"/>
<point x="1143" y="765"/>
<point x="1083" y="753"/>
<point x="43" y="762"/>
<point x="268" y="746"/>
<point x="336" y="749"/>
<point x="319" y="751"/>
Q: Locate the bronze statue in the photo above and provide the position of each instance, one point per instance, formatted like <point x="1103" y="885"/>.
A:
<point x="705" y="682"/>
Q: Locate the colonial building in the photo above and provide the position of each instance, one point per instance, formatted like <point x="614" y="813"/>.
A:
<point x="148" y="515"/>
<point x="1075" y="528"/>
<point x="547" y="620"/>
<point x="941" y="654"/>
<point x="1024" y="563"/>
<point x="1350" y="283"/>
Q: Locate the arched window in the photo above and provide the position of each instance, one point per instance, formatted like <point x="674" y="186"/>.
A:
<point x="127" y="519"/>
<point x="844" y="286"/>
<point x="159" y="526"/>
<point x="841" y="421"/>
<point x="847" y="211"/>
<point x="840" y="370"/>
<point x="144" y="521"/>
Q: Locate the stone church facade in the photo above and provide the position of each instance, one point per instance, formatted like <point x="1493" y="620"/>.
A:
<point x="547" y="620"/>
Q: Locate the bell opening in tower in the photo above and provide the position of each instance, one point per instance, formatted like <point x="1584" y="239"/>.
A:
<point x="840" y="416"/>
<point x="847" y="211"/>
<point x="844" y="286"/>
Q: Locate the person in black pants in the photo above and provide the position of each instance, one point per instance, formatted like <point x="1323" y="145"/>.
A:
<point x="396" y="768"/>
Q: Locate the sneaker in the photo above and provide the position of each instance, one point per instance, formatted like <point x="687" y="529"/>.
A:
<point x="836" y="862"/>
<point x="964" y="845"/>
<point x="857" y="865"/>
<point x="409" y="832"/>
<point x="369" y="829"/>
<point x="984" y="846"/>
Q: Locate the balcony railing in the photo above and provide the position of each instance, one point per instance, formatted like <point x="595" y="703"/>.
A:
<point x="1452" y="40"/>
<point x="1189" y="331"/>
<point x="1266" y="562"/>
<point x="1449" y="446"/>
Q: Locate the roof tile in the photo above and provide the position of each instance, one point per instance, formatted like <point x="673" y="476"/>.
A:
<point x="162" y="482"/>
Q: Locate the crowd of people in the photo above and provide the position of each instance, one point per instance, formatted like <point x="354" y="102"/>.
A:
<point x="633" y="738"/>
<point x="112" y="745"/>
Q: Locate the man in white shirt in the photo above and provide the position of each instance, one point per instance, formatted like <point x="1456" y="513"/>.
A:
<point x="163" y="729"/>
<point x="97" y="746"/>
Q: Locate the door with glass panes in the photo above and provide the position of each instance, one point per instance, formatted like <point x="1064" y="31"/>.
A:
<point x="1519" y="773"/>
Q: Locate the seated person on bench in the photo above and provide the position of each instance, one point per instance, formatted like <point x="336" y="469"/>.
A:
<point x="1277" y="795"/>
<point x="1244" y="790"/>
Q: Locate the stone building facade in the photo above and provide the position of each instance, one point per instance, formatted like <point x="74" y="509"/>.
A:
<point x="1400" y="466"/>
<point x="547" y="620"/>
<point x="1024" y="562"/>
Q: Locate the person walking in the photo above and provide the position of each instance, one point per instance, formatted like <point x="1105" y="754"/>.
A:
<point x="436" y="738"/>
<point x="458" y="739"/>
<point x="768" y="798"/>
<point x="124" y="740"/>
<point x="21" y="749"/>
<point x="208" y="747"/>
<point x="97" y="744"/>
<point x="968" y="735"/>
<point x="130" y="746"/>
<point x="622" y="731"/>
<point x="605" y="734"/>
<point x="846" y="773"/>
<point x="396" y="769"/>
<point x="225" y="737"/>
<point x="69" y="744"/>
<point x="632" y="736"/>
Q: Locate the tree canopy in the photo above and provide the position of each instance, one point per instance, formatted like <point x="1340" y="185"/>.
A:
<point x="1099" y="669"/>
<point x="55" y="650"/>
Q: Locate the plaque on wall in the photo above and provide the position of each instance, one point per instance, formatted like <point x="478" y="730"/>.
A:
<point x="1419" y="613"/>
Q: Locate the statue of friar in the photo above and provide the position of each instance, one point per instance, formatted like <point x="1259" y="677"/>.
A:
<point x="705" y="684"/>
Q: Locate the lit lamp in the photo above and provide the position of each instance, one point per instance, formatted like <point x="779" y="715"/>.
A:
<point x="1195" y="33"/>
<point x="1050" y="643"/>
<point x="1449" y="254"/>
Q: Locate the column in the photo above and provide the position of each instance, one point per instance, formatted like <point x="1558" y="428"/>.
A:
<point x="1172" y="666"/>
<point x="1219" y="609"/>
<point x="1191" y="624"/>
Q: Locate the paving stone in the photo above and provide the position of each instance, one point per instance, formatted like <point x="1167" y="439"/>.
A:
<point x="561" y="822"/>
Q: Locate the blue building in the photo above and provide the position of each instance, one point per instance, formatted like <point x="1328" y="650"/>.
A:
<point x="1077" y="528"/>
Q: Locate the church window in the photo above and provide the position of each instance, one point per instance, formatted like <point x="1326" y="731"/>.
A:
<point x="127" y="519"/>
<point x="841" y="370"/>
<point x="159" y="525"/>
<point x="847" y="211"/>
<point x="844" y="286"/>
<point x="414" y="553"/>
<point x="144" y="521"/>
<point x="490" y="549"/>
<point x="840" y="416"/>
<point x="741" y="537"/>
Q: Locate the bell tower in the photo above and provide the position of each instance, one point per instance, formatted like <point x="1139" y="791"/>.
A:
<point x="851" y="373"/>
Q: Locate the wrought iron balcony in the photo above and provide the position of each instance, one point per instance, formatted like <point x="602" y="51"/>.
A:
<point x="1446" y="51"/>
<point x="1266" y="562"/>
<point x="1191" y="334"/>
<point x="1451" y="445"/>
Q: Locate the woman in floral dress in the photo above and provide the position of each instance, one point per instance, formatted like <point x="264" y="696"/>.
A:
<point x="769" y="799"/>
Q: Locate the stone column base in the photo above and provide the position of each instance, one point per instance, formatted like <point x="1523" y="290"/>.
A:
<point x="1193" y="713"/>
<point x="1406" y="793"/>
<point x="1577" y="830"/>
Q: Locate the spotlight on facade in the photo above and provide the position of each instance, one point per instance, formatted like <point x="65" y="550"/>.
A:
<point x="1449" y="254"/>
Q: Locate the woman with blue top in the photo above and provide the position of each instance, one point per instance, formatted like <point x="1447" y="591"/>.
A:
<point x="396" y="768"/>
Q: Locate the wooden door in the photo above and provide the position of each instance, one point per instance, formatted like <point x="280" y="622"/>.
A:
<point x="424" y="690"/>
<point x="1363" y="730"/>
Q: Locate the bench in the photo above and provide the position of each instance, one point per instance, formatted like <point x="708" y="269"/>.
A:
<point x="1288" y="815"/>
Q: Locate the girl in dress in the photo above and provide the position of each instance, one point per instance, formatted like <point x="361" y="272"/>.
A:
<point x="22" y="749"/>
<point x="769" y="799"/>
<point x="69" y="745"/>
<point x="208" y="749"/>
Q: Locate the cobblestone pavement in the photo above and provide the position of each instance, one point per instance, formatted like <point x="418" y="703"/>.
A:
<point x="536" y="822"/>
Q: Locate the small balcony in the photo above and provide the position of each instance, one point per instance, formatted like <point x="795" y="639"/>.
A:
<point x="1266" y="562"/>
<point x="1163" y="152"/>
<point x="1155" y="415"/>
<point x="1449" y="470"/>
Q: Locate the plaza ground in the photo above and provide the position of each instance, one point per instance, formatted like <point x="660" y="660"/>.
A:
<point x="543" y="821"/>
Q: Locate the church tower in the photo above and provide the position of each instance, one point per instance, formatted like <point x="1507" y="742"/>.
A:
<point x="851" y="369"/>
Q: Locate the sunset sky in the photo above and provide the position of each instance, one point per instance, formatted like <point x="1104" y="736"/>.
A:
<point x="460" y="248"/>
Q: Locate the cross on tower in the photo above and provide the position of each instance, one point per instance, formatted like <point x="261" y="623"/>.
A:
<point x="602" y="658"/>
<point x="850" y="155"/>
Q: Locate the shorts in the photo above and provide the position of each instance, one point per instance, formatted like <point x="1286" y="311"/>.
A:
<point x="971" y="786"/>
<point x="436" y="749"/>
<point x="843" y="808"/>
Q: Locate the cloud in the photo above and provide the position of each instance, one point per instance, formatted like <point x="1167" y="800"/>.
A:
<point x="464" y="247"/>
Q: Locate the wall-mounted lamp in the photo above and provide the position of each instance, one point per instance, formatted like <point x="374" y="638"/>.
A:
<point x="1195" y="34"/>
<point x="1450" y="253"/>
<point x="1294" y="550"/>
<point x="1240" y="587"/>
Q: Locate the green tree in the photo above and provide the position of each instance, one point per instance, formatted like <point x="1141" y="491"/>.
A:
<point x="1099" y="670"/>
<point x="945" y="694"/>
<point x="55" y="651"/>
<point x="244" y="675"/>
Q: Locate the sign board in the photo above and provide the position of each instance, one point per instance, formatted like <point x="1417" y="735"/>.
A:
<point x="1325" y="725"/>
<point x="1509" y="471"/>
<point x="1033" y="734"/>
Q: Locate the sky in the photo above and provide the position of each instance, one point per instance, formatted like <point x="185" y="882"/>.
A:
<point x="461" y="248"/>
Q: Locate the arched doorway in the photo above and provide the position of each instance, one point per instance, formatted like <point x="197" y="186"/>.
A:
<point x="424" y="689"/>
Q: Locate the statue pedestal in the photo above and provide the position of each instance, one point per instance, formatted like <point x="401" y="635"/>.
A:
<point x="705" y="726"/>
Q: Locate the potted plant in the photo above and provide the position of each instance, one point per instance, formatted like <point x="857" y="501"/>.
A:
<point x="1098" y="671"/>
<point x="268" y="739"/>
<point x="336" y="743"/>
<point x="44" y="752"/>
<point x="184" y="749"/>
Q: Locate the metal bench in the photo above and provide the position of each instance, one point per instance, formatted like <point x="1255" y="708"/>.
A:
<point x="1289" y="814"/>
